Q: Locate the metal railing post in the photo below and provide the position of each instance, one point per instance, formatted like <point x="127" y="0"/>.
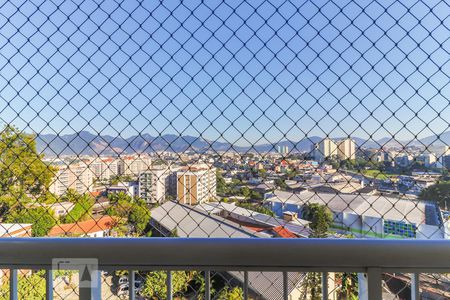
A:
<point x="374" y="283"/>
<point x="415" y="286"/>
<point x="169" y="285"/>
<point x="245" y="285"/>
<point x="285" y="286"/>
<point x="131" y="285"/>
<point x="13" y="284"/>
<point x="49" y="284"/>
<point x="324" y="285"/>
<point x="207" y="285"/>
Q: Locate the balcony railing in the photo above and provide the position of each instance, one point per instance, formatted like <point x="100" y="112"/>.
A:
<point x="369" y="258"/>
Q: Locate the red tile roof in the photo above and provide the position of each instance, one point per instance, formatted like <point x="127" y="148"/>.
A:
<point x="85" y="227"/>
<point x="283" y="232"/>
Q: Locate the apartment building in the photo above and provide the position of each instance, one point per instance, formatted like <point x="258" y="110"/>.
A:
<point x="156" y="183"/>
<point x="346" y="149"/>
<point x="104" y="168"/>
<point x="77" y="176"/>
<point x="445" y="158"/>
<point x="327" y="148"/>
<point x="196" y="184"/>
<point x="428" y="159"/>
<point x="133" y="165"/>
<point x="403" y="160"/>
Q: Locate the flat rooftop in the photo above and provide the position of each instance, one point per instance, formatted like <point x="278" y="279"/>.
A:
<point x="378" y="206"/>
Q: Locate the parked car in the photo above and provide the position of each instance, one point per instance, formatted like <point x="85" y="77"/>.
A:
<point x="122" y="280"/>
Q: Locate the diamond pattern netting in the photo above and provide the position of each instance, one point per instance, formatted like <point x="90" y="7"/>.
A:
<point x="288" y="119"/>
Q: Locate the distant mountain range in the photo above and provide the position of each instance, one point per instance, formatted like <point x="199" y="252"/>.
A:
<point x="87" y="143"/>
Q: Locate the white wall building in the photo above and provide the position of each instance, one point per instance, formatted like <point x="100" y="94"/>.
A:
<point x="428" y="159"/>
<point x="325" y="149"/>
<point x="104" y="168"/>
<point x="77" y="176"/>
<point x="368" y="216"/>
<point x="155" y="184"/>
<point x="346" y="149"/>
<point x="133" y="165"/>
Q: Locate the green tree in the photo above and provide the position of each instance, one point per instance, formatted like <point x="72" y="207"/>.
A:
<point x="6" y="203"/>
<point x="155" y="283"/>
<point x="199" y="284"/>
<point x="134" y="210"/>
<point x="347" y="285"/>
<point x="260" y="209"/>
<point x="320" y="217"/>
<point x="262" y="173"/>
<point x="439" y="192"/>
<point x="21" y="167"/>
<point x="43" y="219"/>
<point x="256" y="195"/>
<point x="229" y="293"/>
<point x="222" y="187"/>
<point x="139" y="217"/>
<point x="29" y="287"/>
<point x="245" y="191"/>
<point x="281" y="184"/>
<point x="312" y="289"/>
<point x="82" y="209"/>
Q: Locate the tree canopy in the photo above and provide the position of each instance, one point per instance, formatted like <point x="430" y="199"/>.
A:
<point x="439" y="192"/>
<point x="43" y="219"/>
<point x="321" y="219"/>
<point x="21" y="167"/>
<point x="82" y="209"/>
<point x="155" y="283"/>
<point x="133" y="209"/>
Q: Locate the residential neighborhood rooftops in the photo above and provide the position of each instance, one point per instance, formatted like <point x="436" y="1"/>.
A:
<point x="189" y="221"/>
<point x="297" y="226"/>
<point x="84" y="227"/>
<point x="378" y="206"/>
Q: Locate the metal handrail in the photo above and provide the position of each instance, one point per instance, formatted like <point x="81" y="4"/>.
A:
<point x="354" y="255"/>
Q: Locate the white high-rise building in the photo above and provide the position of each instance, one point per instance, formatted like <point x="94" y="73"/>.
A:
<point x="325" y="149"/>
<point x="76" y="176"/>
<point x="155" y="184"/>
<point x="346" y="149"/>
<point x="104" y="168"/>
<point x="133" y="165"/>
<point x="446" y="151"/>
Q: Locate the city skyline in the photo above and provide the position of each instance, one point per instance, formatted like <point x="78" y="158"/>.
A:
<point x="91" y="143"/>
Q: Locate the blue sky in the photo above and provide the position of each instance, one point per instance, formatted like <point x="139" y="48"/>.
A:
<point x="252" y="71"/>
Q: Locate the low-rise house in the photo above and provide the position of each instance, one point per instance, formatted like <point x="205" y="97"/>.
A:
<point x="265" y="187"/>
<point x="128" y="188"/>
<point x="15" y="230"/>
<point x="229" y="211"/>
<point x="60" y="208"/>
<point x="100" y="227"/>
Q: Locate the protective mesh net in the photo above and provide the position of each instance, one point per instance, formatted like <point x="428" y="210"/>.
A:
<point x="289" y="119"/>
